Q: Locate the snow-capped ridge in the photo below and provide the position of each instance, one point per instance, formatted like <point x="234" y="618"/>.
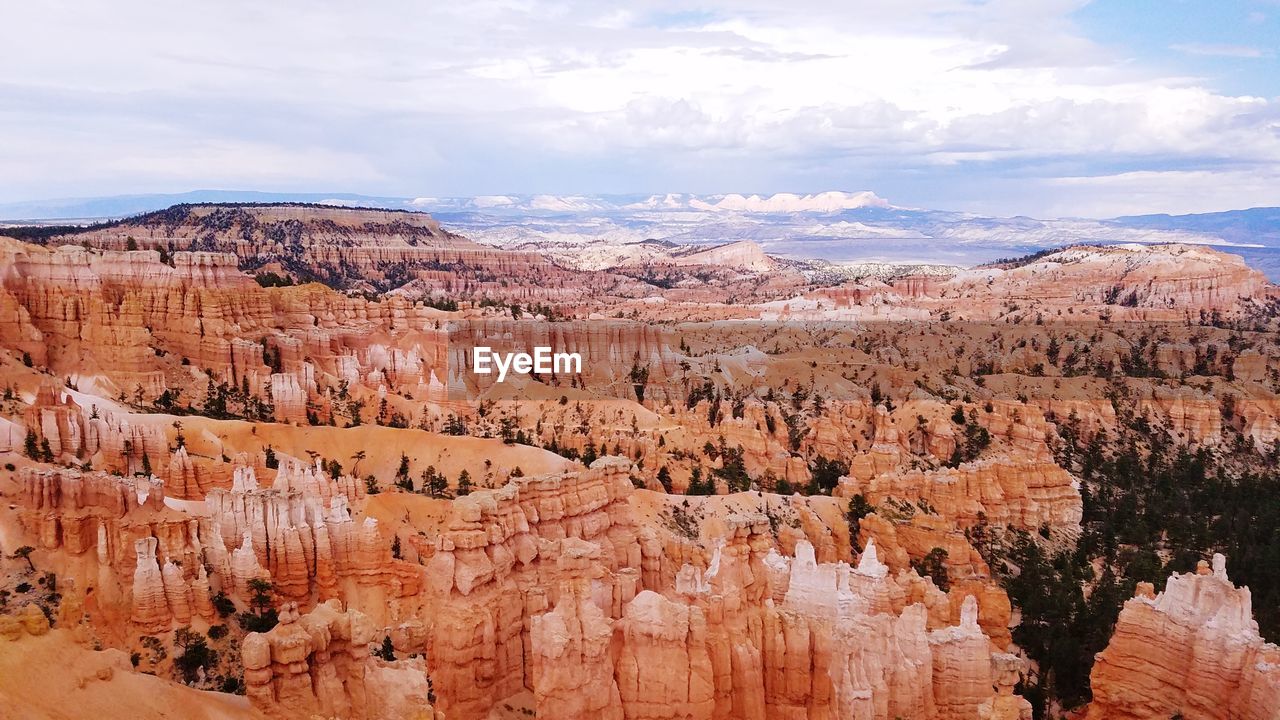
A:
<point x="825" y="202"/>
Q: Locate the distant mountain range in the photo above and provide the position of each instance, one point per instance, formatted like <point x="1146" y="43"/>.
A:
<point x="836" y="226"/>
<point x="119" y="206"/>
<point x="780" y="203"/>
<point x="1252" y="226"/>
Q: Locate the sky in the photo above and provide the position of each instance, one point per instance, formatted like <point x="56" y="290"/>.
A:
<point x="1047" y="108"/>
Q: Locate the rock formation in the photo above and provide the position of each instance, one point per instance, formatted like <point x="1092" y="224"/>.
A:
<point x="345" y="247"/>
<point x="1007" y="670"/>
<point x="1017" y="492"/>
<point x="947" y="407"/>
<point x="571" y="670"/>
<point x="151" y="611"/>
<point x="961" y="665"/>
<point x="496" y="566"/>
<point x="664" y="669"/>
<point x="1191" y="650"/>
<point x="319" y="664"/>
<point x="28" y="620"/>
<point x="164" y="557"/>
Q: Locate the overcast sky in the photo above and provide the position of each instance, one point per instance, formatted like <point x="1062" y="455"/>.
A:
<point x="1040" y="107"/>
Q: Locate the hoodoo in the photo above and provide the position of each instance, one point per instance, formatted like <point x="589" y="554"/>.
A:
<point x="761" y="496"/>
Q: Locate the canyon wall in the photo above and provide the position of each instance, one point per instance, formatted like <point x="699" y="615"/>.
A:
<point x="750" y="629"/>
<point x="318" y="665"/>
<point x="599" y="591"/>
<point x="1192" y="650"/>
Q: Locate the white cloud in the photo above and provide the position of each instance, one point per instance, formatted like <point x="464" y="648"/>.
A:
<point x="1213" y="50"/>
<point x="563" y="96"/>
<point x="1173" y="192"/>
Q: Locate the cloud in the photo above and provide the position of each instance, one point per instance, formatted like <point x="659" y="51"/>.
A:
<point x="1212" y="50"/>
<point x="1173" y="192"/>
<point x="937" y="105"/>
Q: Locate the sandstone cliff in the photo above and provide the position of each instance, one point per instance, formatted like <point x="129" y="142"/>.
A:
<point x="1192" y="650"/>
<point x="319" y="664"/>
<point x="603" y="591"/>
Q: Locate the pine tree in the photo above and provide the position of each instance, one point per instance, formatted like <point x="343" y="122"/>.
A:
<point x="24" y="553"/>
<point x="434" y="483"/>
<point x="388" y="650"/>
<point x="664" y="478"/>
<point x="455" y="426"/>
<point x="698" y="486"/>
<point x="639" y="378"/>
<point x="215" y="400"/>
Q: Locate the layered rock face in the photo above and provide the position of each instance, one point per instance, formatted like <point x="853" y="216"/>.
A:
<point x="128" y="319"/>
<point x="1192" y="650"/>
<point x="882" y="660"/>
<point x="129" y="311"/>
<point x="497" y="564"/>
<point x="744" y="255"/>
<point x="1014" y="492"/>
<point x="570" y="644"/>
<point x="290" y="354"/>
<point x="78" y="512"/>
<point x="573" y="594"/>
<point x="318" y="664"/>
<point x="346" y="247"/>
<point x="299" y="534"/>
<point x="664" y="668"/>
<point x="1162" y="282"/>
<point x="59" y="420"/>
<point x="105" y="302"/>
<point x="162" y="597"/>
<point x="76" y="434"/>
<point x="142" y="559"/>
<point x="753" y="634"/>
<point x="961" y="665"/>
<point x="1161" y="278"/>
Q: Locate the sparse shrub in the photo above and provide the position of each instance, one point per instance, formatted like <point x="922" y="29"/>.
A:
<point x="195" y="654"/>
<point x="934" y="565"/>
<point x="224" y="605"/>
<point x="387" y="651"/>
